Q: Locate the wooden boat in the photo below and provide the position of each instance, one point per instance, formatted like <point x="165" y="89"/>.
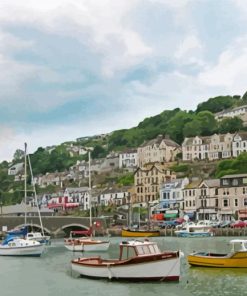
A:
<point x="127" y="232"/>
<point x="15" y="246"/>
<point x="237" y="258"/>
<point x="137" y="261"/>
<point x="86" y="244"/>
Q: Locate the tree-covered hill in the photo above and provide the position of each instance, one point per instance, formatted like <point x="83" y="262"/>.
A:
<point x="177" y="124"/>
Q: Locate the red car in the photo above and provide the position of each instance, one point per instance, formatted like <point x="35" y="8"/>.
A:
<point x="239" y="224"/>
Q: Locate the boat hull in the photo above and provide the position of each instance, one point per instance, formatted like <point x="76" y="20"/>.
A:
<point x="87" y="246"/>
<point x="140" y="233"/>
<point x="236" y="260"/>
<point x="166" y="269"/>
<point x="31" y="251"/>
<point x="193" y="234"/>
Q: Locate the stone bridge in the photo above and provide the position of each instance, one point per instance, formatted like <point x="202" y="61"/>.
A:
<point x="56" y="226"/>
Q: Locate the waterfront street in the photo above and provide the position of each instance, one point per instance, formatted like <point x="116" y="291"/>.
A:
<point x="51" y="274"/>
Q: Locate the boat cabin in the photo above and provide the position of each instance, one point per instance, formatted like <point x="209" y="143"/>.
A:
<point x="238" y="245"/>
<point x="130" y="249"/>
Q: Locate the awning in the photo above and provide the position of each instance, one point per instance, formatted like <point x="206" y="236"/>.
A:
<point x="171" y="215"/>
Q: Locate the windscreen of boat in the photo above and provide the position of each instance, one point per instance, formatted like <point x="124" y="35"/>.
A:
<point x="147" y="250"/>
<point x="128" y="252"/>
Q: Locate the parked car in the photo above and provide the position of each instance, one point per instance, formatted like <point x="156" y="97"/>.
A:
<point x="168" y="224"/>
<point x="238" y="224"/>
<point x="225" y="224"/>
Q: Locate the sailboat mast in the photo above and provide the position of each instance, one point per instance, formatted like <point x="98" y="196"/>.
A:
<point x="89" y="185"/>
<point x="25" y="181"/>
<point x="35" y="196"/>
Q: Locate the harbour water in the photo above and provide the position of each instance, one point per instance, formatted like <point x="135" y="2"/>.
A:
<point x="51" y="274"/>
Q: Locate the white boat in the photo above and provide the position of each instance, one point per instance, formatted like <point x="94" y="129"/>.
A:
<point x="195" y="230"/>
<point x="88" y="244"/>
<point x="137" y="261"/>
<point x="39" y="237"/>
<point x="15" y="246"/>
<point x="33" y="236"/>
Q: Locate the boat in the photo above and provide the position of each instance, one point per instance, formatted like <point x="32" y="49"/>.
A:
<point x="127" y="232"/>
<point x="16" y="246"/>
<point x="39" y="237"/>
<point x="194" y="230"/>
<point x="137" y="261"/>
<point x="236" y="258"/>
<point x="88" y="243"/>
<point x="33" y="236"/>
<point x="85" y="242"/>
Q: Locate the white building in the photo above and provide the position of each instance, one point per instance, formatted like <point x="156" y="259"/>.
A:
<point x="239" y="143"/>
<point x="128" y="158"/>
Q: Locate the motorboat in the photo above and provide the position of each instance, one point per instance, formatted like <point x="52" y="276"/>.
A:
<point x="137" y="261"/>
<point x="194" y="230"/>
<point x="15" y="246"/>
<point x="128" y="232"/>
<point x="84" y="243"/>
<point x="236" y="258"/>
<point x="39" y="237"/>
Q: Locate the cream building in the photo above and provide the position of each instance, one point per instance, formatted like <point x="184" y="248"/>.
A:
<point x="148" y="180"/>
<point x="159" y="149"/>
<point x="212" y="147"/>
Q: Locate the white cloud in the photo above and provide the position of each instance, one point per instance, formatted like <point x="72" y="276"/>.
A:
<point x="229" y="72"/>
<point x="188" y="47"/>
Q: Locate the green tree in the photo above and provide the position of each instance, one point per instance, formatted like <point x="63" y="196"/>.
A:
<point x="176" y="125"/>
<point x="216" y="104"/>
<point x="230" y="125"/>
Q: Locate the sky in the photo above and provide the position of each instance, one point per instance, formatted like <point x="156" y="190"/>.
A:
<point x="74" y="68"/>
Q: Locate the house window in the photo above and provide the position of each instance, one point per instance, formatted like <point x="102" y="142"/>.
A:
<point x="245" y="202"/>
<point x="216" y="191"/>
<point x="225" y="182"/>
<point x="225" y="203"/>
<point x="235" y="182"/>
<point x="216" y="202"/>
<point x="236" y="202"/>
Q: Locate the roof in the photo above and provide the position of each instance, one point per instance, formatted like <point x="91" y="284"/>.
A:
<point x="193" y="184"/>
<point x="158" y="141"/>
<point x="212" y="182"/>
<point x="234" y="176"/>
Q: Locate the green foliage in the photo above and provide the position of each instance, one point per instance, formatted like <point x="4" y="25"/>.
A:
<point x="176" y="125"/>
<point x="234" y="166"/>
<point x="216" y="104"/>
<point x="99" y="152"/>
<point x="182" y="168"/>
<point x="126" y="180"/>
<point x="230" y="125"/>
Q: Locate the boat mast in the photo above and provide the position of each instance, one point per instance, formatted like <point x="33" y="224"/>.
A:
<point x="89" y="185"/>
<point x="25" y="181"/>
<point x="35" y="196"/>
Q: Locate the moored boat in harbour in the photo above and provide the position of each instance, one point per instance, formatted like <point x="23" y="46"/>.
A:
<point x="15" y="246"/>
<point x="137" y="261"/>
<point x="236" y="258"/>
<point x="127" y="232"/>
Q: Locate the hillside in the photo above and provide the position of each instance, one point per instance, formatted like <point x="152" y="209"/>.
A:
<point x="177" y="124"/>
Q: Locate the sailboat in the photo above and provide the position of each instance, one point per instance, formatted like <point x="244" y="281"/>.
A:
<point x="88" y="244"/>
<point x="23" y="232"/>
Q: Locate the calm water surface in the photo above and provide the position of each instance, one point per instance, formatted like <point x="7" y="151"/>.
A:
<point x="51" y="274"/>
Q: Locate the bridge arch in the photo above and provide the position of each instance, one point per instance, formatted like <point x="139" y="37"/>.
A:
<point x="68" y="227"/>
